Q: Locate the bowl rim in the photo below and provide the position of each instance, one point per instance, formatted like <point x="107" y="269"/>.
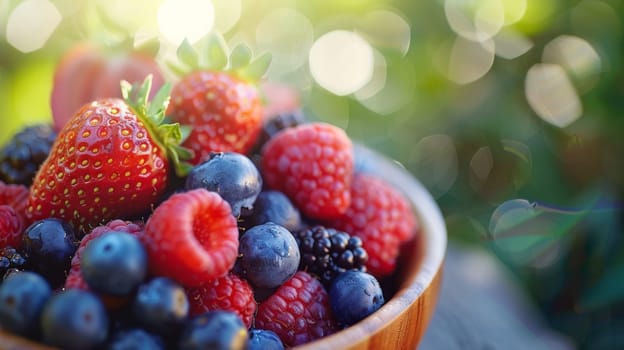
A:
<point x="433" y="243"/>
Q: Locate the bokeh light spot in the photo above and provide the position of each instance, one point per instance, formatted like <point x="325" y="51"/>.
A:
<point x="126" y="15"/>
<point x="576" y="56"/>
<point x="289" y="48"/>
<point x="31" y="24"/>
<point x="341" y="62"/>
<point x="377" y="81"/>
<point x="179" y="19"/>
<point x="384" y="28"/>
<point x="514" y="10"/>
<point x="524" y="233"/>
<point x="476" y="20"/>
<point x="551" y="94"/>
<point x="510" y="44"/>
<point x="482" y="163"/>
<point x="470" y="60"/>
<point x="227" y="14"/>
<point x="435" y="162"/>
<point x="399" y="88"/>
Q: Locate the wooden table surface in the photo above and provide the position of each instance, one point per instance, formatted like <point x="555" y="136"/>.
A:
<point x="482" y="307"/>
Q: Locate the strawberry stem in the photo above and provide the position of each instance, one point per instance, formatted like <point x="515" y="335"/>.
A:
<point x="169" y="136"/>
<point x="211" y="53"/>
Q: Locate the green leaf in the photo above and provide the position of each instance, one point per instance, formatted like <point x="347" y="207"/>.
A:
<point x="213" y="52"/>
<point x="186" y="132"/>
<point x="177" y="68"/>
<point x="149" y="47"/>
<point x="256" y="69"/>
<point x="183" y="153"/>
<point x="187" y="54"/>
<point x="126" y="89"/>
<point x="240" y="56"/>
<point x="183" y="168"/>
<point x="170" y="133"/>
<point x="159" y="103"/>
<point x="143" y="93"/>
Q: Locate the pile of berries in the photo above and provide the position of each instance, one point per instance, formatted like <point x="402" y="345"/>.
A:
<point x="251" y="232"/>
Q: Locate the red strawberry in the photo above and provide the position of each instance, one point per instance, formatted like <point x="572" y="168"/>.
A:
<point x="85" y="73"/>
<point x="11" y="227"/>
<point x="298" y="312"/>
<point x="230" y="293"/>
<point x="111" y="160"/>
<point x="312" y="164"/>
<point x="218" y="99"/>
<point x="74" y="278"/>
<point x="192" y="238"/>
<point x="15" y="196"/>
<point x="382" y="217"/>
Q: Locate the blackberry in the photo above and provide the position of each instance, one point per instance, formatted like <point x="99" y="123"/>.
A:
<point x="326" y="252"/>
<point x="10" y="260"/>
<point x="21" y="157"/>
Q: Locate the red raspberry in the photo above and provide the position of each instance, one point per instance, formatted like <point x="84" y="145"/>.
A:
<point x="312" y="164"/>
<point x="15" y="196"/>
<point x="74" y="278"/>
<point x="298" y="312"/>
<point x="382" y="217"/>
<point x="11" y="227"/>
<point x="192" y="238"/>
<point x="229" y="292"/>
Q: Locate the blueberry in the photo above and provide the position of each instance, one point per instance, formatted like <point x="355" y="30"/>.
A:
<point x="354" y="295"/>
<point x="232" y="175"/>
<point x="260" y="339"/>
<point x="49" y="245"/>
<point x="74" y="319"/>
<point x="274" y="206"/>
<point x="217" y="330"/>
<point x="114" y="263"/>
<point x="22" y="297"/>
<point x="161" y="306"/>
<point x="269" y="255"/>
<point x="135" y="339"/>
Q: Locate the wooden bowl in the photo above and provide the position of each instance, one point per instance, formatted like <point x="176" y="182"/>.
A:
<point x="402" y="321"/>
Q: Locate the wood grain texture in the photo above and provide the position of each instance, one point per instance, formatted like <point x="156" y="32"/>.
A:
<point x="401" y="323"/>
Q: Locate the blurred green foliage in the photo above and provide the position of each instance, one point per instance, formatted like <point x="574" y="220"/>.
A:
<point x="475" y="144"/>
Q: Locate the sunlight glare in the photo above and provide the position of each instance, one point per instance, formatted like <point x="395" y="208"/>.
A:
<point x="551" y="94"/>
<point x="341" y="62"/>
<point x="191" y="19"/>
<point x="31" y="24"/>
